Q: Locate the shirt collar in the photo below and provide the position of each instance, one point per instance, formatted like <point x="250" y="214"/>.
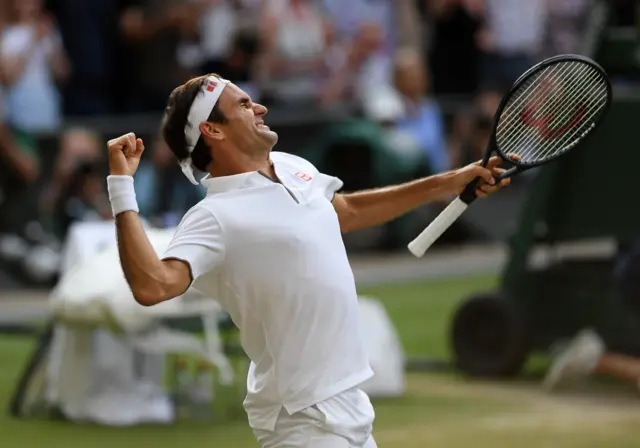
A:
<point x="236" y="181"/>
<point x="227" y="183"/>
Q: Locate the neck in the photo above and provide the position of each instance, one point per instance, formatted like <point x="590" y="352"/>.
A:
<point x="236" y="162"/>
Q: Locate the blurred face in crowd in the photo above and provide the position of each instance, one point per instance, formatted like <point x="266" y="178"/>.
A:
<point x="244" y="129"/>
<point x="410" y="75"/>
<point x="28" y="9"/>
<point x="77" y="146"/>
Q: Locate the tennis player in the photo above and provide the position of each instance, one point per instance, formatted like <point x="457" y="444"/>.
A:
<point x="266" y="242"/>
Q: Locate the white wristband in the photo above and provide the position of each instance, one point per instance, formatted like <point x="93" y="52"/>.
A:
<point x="122" y="194"/>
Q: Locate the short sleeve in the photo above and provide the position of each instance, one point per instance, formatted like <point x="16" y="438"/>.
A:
<point x="324" y="183"/>
<point x="198" y="241"/>
<point x="329" y="185"/>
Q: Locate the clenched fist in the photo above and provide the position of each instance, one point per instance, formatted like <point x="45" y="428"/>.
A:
<point x="124" y="154"/>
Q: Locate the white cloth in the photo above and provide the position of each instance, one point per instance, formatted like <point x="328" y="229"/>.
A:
<point x="97" y="292"/>
<point x="116" y="378"/>
<point x="273" y="255"/>
<point x="343" y="421"/>
<point x="386" y="355"/>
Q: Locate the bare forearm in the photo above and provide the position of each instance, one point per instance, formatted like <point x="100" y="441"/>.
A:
<point x="142" y="267"/>
<point x="375" y="207"/>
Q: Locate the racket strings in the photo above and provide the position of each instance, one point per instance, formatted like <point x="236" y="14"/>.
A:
<point x="551" y="110"/>
<point x="532" y="136"/>
<point x="576" y="120"/>
<point x="530" y="107"/>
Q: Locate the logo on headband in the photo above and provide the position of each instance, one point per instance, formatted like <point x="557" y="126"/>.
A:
<point x="211" y="85"/>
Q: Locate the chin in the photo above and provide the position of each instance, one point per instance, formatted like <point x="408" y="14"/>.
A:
<point x="271" y="137"/>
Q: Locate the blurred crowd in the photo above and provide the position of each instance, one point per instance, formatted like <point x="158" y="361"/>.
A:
<point x="389" y="60"/>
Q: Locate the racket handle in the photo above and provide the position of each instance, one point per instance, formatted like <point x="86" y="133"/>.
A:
<point x="437" y="227"/>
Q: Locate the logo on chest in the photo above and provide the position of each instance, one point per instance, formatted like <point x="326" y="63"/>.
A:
<point x="303" y="176"/>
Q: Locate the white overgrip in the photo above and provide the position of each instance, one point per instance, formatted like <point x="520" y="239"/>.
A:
<point x="437" y="227"/>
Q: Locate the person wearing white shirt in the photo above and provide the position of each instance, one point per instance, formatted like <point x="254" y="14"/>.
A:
<point x="266" y="242"/>
<point x="33" y="60"/>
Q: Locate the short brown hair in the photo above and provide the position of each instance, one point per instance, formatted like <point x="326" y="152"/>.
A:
<point x="176" y="116"/>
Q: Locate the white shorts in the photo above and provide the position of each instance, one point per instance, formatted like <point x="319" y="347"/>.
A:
<point x="343" y="421"/>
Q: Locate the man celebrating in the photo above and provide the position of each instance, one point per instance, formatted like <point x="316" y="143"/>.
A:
<point x="266" y="242"/>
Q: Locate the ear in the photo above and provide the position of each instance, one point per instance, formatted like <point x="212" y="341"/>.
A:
<point x="211" y="130"/>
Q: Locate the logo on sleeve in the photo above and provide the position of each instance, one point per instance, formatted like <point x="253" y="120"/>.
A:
<point x="303" y="176"/>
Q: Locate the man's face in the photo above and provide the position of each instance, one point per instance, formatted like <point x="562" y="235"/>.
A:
<point x="245" y="127"/>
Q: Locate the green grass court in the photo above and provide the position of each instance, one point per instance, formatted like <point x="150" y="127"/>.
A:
<point x="439" y="410"/>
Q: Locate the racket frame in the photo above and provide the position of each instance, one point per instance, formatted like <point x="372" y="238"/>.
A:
<point x="469" y="195"/>
<point x="430" y="234"/>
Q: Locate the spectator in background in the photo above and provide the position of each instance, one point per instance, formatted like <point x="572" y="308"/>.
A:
<point x="84" y="197"/>
<point x="152" y="30"/>
<point x="90" y="33"/>
<point x="472" y="128"/>
<point x="423" y="120"/>
<point x="33" y="61"/>
<point x="163" y="193"/>
<point x="80" y="151"/>
<point x="240" y="64"/>
<point x="18" y="173"/>
<point x="209" y="41"/>
<point x="355" y="66"/>
<point x="218" y="24"/>
<point x="224" y="41"/>
<point x="367" y="34"/>
<point x="566" y="24"/>
<point x="453" y="54"/>
<point x="294" y="44"/>
<point x="473" y="146"/>
<point x="510" y="39"/>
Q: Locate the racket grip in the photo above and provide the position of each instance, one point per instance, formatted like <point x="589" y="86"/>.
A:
<point x="437" y="227"/>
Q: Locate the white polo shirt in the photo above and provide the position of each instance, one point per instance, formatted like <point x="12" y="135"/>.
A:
<point x="272" y="254"/>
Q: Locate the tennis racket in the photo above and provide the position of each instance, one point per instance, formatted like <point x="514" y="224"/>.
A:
<point x="552" y="108"/>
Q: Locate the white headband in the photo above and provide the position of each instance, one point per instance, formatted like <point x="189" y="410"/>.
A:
<point x="199" y="112"/>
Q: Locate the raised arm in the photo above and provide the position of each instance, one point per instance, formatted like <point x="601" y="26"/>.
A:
<point x="151" y="280"/>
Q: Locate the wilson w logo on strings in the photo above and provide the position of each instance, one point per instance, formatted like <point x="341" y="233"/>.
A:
<point x="544" y="123"/>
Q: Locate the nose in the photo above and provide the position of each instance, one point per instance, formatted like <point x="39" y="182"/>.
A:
<point x="259" y="110"/>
